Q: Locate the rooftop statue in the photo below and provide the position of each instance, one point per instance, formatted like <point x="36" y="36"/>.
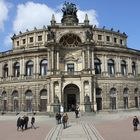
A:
<point x="69" y="9"/>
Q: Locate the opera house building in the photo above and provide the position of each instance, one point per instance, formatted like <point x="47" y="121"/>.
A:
<point x="69" y="64"/>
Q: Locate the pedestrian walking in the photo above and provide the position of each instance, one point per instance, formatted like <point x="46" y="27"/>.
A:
<point x="65" y="120"/>
<point x="22" y="123"/>
<point x="135" y="123"/>
<point x="33" y="122"/>
<point x="56" y="117"/>
<point x="18" y="123"/>
<point x="26" y="119"/>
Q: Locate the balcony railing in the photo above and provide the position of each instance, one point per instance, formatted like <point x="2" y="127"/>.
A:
<point x="70" y="72"/>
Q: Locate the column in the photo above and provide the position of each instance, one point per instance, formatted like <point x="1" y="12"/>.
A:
<point x="1" y="70"/>
<point x="90" y="91"/>
<point x="10" y="67"/>
<point x="94" y="98"/>
<point x="52" y="92"/>
<point x="81" y="94"/>
<point x="92" y="61"/>
<point x="34" y="39"/>
<point x="129" y="67"/>
<point x="83" y="56"/>
<point x="48" y="57"/>
<point x="57" y="53"/>
<point x="105" y="63"/>
<point x="26" y="41"/>
<point x="22" y="99"/>
<point x="138" y="63"/>
<point x="37" y="66"/>
<point x="52" y="53"/>
<point x="119" y="65"/>
<point x="88" y="58"/>
<point x="43" y="38"/>
<point x="22" y="67"/>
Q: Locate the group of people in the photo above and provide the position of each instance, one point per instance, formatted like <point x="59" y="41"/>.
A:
<point x="22" y="123"/>
<point x="62" y="118"/>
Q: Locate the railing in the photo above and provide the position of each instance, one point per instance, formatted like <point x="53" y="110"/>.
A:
<point x="71" y="72"/>
<point x="63" y="73"/>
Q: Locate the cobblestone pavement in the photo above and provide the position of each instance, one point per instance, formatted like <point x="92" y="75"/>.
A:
<point x="102" y="126"/>
<point x="8" y="130"/>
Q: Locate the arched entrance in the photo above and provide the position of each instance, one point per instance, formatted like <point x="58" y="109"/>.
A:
<point x="29" y="97"/>
<point x="15" y="101"/>
<point x="71" y="97"/>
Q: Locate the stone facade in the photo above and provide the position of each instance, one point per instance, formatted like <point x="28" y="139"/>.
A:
<point x="68" y="64"/>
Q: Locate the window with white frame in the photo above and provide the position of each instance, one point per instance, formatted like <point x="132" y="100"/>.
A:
<point x="111" y="67"/>
<point x="43" y="67"/>
<point x="123" y="68"/>
<point x="16" y="69"/>
<point x="29" y="68"/>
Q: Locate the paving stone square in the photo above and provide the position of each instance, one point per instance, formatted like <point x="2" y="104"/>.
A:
<point x="102" y="126"/>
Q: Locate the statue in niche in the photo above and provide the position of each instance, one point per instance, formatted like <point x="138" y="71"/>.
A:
<point x="56" y="99"/>
<point x="87" y="99"/>
<point x="69" y="9"/>
<point x="51" y="36"/>
<point x="89" y="35"/>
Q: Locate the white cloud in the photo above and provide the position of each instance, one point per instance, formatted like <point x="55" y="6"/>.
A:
<point x="92" y="16"/>
<point x="8" y="40"/>
<point x="30" y="15"/>
<point x="3" y="13"/>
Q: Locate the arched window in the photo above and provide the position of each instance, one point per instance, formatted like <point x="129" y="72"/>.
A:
<point x="123" y="68"/>
<point x="97" y="65"/>
<point x="15" y="101"/>
<point x="113" y="98"/>
<point x="125" y="98"/>
<point x="29" y="68"/>
<point x="29" y="97"/>
<point x="133" y="68"/>
<point x="99" y="98"/>
<point x="5" y="71"/>
<point x="70" y="40"/>
<point x="43" y="67"/>
<point x="43" y="100"/>
<point x="137" y="97"/>
<point x="16" y="69"/>
<point x="4" y="101"/>
<point x="111" y="67"/>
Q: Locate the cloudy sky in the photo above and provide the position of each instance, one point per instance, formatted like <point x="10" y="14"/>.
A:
<point x="19" y="15"/>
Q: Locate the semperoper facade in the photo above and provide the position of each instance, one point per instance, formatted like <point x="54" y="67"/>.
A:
<point x="68" y="64"/>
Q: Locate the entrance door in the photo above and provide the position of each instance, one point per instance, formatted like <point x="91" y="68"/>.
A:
<point x="99" y="103"/>
<point x="28" y="105"/>
<point x="71" y="102"/>
<point x="16" y="108"/>
<point x="43" y="103"/>
<point x="136" y="102"/>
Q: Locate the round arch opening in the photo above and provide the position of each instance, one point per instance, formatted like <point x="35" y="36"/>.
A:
<point x="71" y="97"/>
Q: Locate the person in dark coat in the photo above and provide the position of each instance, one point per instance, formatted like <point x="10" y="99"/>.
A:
<point x="59" y="118"/>
<point x="65" y="120"/>
<point x="56" y="117"/>
<point x="22" y="123"/>
<point x="76" y="112"/>
<point x="18" y="123"/>
<point x="135" y="123"/>
<point x="26" y="119"/>
<point x="32" y="122"/>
